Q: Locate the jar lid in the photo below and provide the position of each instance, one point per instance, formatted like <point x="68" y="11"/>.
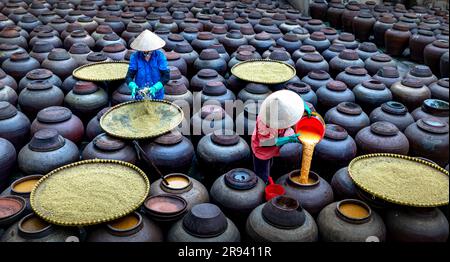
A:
<point x="8" y="47"/>
<point x="443" y="82"/>
<point x="433" y="125"/>
<point x="328" y="31"/>
<point x="395" y="108"/>
<point x="234" y="34"/>
<point x="175" y="37"/>
<point x="225" y="137"/>
<point x="217" y="19"/>
<point x="171" y="56"/>
<point x="9" y="33"/>
<point x="54" y="114"/>
<point x="111" y="37"/>
<point x="349" y="108"/>
<point x="205" y="220"/>
<point x="207" y="73"/>
<point x="266" y="21"/>
<point x="425" y="32"/>
<point x="39" y="85"/>
<point x="170" y="138"/>
<point x="84" y="88"/>
<point x="219" y="29"/>
<point x="42" y="47"/>
<point x="114" y="48"/>
<point x="307" y="49"/>
<point x="244" y="55"/>
<point x="59" y="54"/>
<point x="256" y="88"/>
<point x="291" y="37"/>
<point x="283" y="212"/>
<point x="318" y="36"/>
<point x="336" y="85"/>
<point x="219" y="47"/>
<point x="401" y="26"/>
<point x="389" y="72"/>
<point x="356" y="70"/>
<point x="315" y="22"/>
<point x="368" y="47"/>
<point x="39" y="74"/>
<point x="79" y="48"/>
<point x="212" y="112"/>
<point x="319" y="75"/>
<point x="312" y="58"/>
<point x="374" y="85"/>
<point x="209" y="54"/>
<point x="29" y="18"/>
<point x="108" y="143"/>
<point x="263" y="36"/>
<point x="412" y="82"/>
<point x="346" y="37"/>
<point x="279" y="55"/>
<point x="241" y="179"/>
<point x="299" y="88"/>
<point x="387" y="19"/>
<point x="335" y="132"/>
<point x="246" y="48"/>
<point x="46" y="140"/>
<point x="104" y="29"/>
<point x="205" y="36"/>
<point x="214" y="88"/>
<point x="352" y="7"/>
<point x="348" y="54"/>
<point x="381" y="58"/>
<point x="18" y="56"/>
<point x="85" y="19"/>
<point x="337" y="48"/>
<point x="365" y="15"/>
<point x="421" y="71"/>
<point x="384" y="128"/>
<point x="183" y="48"/>
<point x="96" y="57"/>
<point x="7" y="110"/>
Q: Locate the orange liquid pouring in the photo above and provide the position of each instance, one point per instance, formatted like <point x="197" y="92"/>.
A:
<point x="309" y="139"/>
<point x="25" y="186"/>
<point x="125" y="223"/>
<point x="33" y="224"/>
<point x="353" y="210"/>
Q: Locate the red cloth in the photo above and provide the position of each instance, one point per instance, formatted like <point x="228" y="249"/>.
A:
<point x="261" y="133"/>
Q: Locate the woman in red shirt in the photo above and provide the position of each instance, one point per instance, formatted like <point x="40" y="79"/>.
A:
<point x="279" y="111"/>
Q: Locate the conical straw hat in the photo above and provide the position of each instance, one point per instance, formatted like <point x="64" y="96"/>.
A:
<point x="282" y="109"/>
<point x="147" y="41"/>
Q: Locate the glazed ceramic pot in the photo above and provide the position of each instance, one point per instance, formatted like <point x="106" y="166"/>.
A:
<point x="46" y="37"/>
<point x="301" y="32"/>
<point x="342" y="185"/>
<point x="203" y="41"/>
<point x="423" y="225"/>
<point x="396" y="39"/>
<point x="19" y="64"/>
<point x="15" y="126"/>
<point x="262" y="42"/>
<point x="46" y="151"/>
<point x="348" y="115"/>
<point x="333" y="51"/>
<point x="240" y="57"/>
<point x="304" y="49"/>
<point x="304" y="91"/>
<point x="93" y="128"/>
<point x="60" y="63"/>
<point x="330" y="33"/>
<point x="8" y="94"/>
<point x="80" y="52"/>
<point x="310" y="62"/>
<point x="334" y="14"/>
<point x="39" y="95"/>
<point x="204" y="76"/>
<point x="347" y="39"/>
<point x="210" y="59"/>
<point x="216" y="93"/>
<point x="62" y="120"/>
<point x="410" y="92"/>
<point x="318" y="9"/>
<point x="380" y="27"/>
<point x="172" y="41"/>
<point x="332" y="94"/>
<point x="189" y="55"/>
<point x="282" y="219"/>
<point x="316" y="79"/>
<point x="439" y="89"/>
<point x="376" y="62"/>
<point x="418" y="42"/>
<point x="204" y="223"/>
<point x="233" y="40"/>
<point x="85" y="100"/>
<point x="174" y="59"/>
<point x="254" y="92"/>
<point x="432" y="108"/>
<point x="432" y="55"/>
<point x="345" y="59"/>
<point x="7" y="161"/>
<point x="290" y="42"/>
<point x="106" y="40"/>
<point x="350" y="12"/>
<point x="422" y="73"/>
<point x="106" y="147"/>
<point x="428" y="138"/>
<point x="388" y="75"/>
<point x="79" y="36"/>
<point x="371" y="94"/>
<point x="366" y="50"/>
<point x="10" y="35"/>
<point x="313" y="196"/>
<point x="9" y="49"/>
<point x="382" y="137"/>
<point x="337" y="223"/>
<point x="281" y="55"/>
<point x="314" y="25"/>
<point x="116" y="51"/>
<point x="353" y="75"/>
<point x="363" y="26"/>
<point x="176" y="91"/>
<point x="392" y="112"/>
<point x="318" y="40"/>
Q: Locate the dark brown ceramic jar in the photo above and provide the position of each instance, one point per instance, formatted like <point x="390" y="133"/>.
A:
<point x="318" y="40"/>
<point x="60" y="63"/>
<point x="233" y="40"/>
<point x="106" y="147"/>
<point x="418" y="42"/>
<point x="410" y="92"/>
<point x="314" y="25"/>
<point x="366" y="50"/>
<point x="337" y="226"/>
<point x="14" y="125"/>
<point x="108" y="39"/>
<point x="333" y="51"/>
<point x="310" y="62"/>
<point x="41" y="50"/>
<point x="59" y="24"/>
<point x="254" y="92"/>
<point x="8" y="94"/>
<point x="330" y="33"/>
<point x="203" y="41"/>
<point x="432" y="108"/>
<point x="172" y="41"/>
<point x="304" y="49"/>
<point x="93" y="128"/>
<point x="428" y="138"/>
<point x="114" y="22"/>
<point x="204" y="76"/>
<point x="210" y="59"/>
<point x="363" y="26"/>
<point x="350" y="12"/>
<point x="313" y="196"/>
<point x="240" y="57"/>
<point x="380" y="27"/>
<point x="318" y="9"/>
<point x="304" y="91"/>
<point x="188" y="54"/>
<point x="348" y="115"/>
<point x="88" y="24"/>
<point x="122" y="94"/>
<point x="316" y="79"/>
<point x="333" y="93"/>
<point x="19" y="64"/>
<point x="432" y="55"/>
<point x="392" y="112"/>
<point x="422" y="73"/>
<point x="439" y="89"/>
<point x="46" y="151"/>
<point x="334" y="14"/>
<point x="80" y="52"/>
<point x="101" y="31"/>
<point x="374" y="63"/>
<point x="7" y="161"/>
<point x="262" y="42"/>
<point x="382" y="137"/>
<point x="290" y="42"/>
<point x="388" y="75"/>
<point x="39" y="95"/>
<point x="174" y="59"/>
<point x="48" y="37"/>
<point x="345" y="59"/>
<point x="353" y="75"/>
<point x="86" y="99"/>
<point x="371" y="94"/>
<point x="343" y="185"/>
<point x="62" y="120"/>
<point x="396" y="39"/>
<point x="7" y="50"/>
<point x="6" y="80"/>
<point x="29" y="22"/>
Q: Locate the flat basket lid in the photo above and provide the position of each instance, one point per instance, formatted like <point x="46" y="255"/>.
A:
<point x="102" y="71"/>
<point x="141" y="119"/>
<point x="263" y="71"/>
<point x="89" y="192"/>
<point x="401" y="179"/>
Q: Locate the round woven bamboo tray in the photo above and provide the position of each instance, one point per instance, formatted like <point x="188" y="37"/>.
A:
<point x="141" y="119"/>
<point x="89" y="192"/>
<point x="401" y="180"/>
<point x="102" y="71"/>
<point x="264" y="71"/>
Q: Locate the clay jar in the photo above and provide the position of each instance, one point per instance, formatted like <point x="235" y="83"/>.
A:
<point x="428" y="138"/>
<point x="396" y="39"/>
<point x="7" y="50"/>
<point x="19" y="64"/>
<point x="343" y="186"/>
<point x="304" y="91"/>
<point x="310" y="62"/>
<point x="290" y="42"/>
<point x="282" y="219"/>
<point x="79" y="36"/>
<point x="424" y="225"/>
<point x="93" y="128"/>
<point x="410" y="92"/>
<point x="262" y="42"/>
<point x="222" y="52"/>
<point x="363" y="26"/>
<point x="172" y="41"/>
<point x="350" y="12"/>
<point x="62" y="120"/>
<point x="314" y="25"/>
<point x="106" y="147"/>
<point x="353" y="75"/>
<point x="174" y="59"/>
<point x="176" y="91"/>
<point x="313" y="196"/>
<point x="382" y="137"/>
<point x="204" y="223"/>
<point x="330" y="33"/>
<point x="388" y="75"/>
<point x="171" y="152"/>
<point x="46" y="151"/>
<point x="8" y="94"/>
<point x="333" y="93"/>
<point x="318" y="40"/>
<point x="80" y="52"/>
<point x="188" y="54"/>
<point x="233" y="40"/>
<point x="237" y="193"/>
<point x="366" y="50"/>
<point x="254" y="92"/>
<point x="348" y="40"/>
<point x="337" y="226"/>
<point x="7" y="161"/>
<point x="46" y="37"/>
<point x="108" y="39"/>
<point x="418" y="42"/>
<point x="432" y="108"/>
<point x="210" y="58"/>
<point x="380" y="27"/>
<point x="86" y="99"/>
<point x="304" y="49"/>
<point x="432" y="55"/>
<point x="39" y="95"/>
<point x="422" y="73"/>
<point x="374" y="63"/>
<point x="345" y="59"/>
<point x="348" y="115"/>
<point x="370" y="94"/>
<point x="392" y="112"/>
<point x="240" y="57"/>
<point x="216" y="92"/>
<point x="203" y="41"/>
<point x="334" y="14"/>
<point x="316" y="79"/>
<point x="204" y="76"/>
<point x="439" y="89"/>
<point x="145" y="230"/>
<point x="122" y="94"/>
<point x="221" y="151"/>
<point x="60" y="63"/>
<point x="14" y="125"/>
<point x="116" y="51"/>
<point x="318" y="9"/>
<point x="333" y="51"/>
<point x="194" y="192"/>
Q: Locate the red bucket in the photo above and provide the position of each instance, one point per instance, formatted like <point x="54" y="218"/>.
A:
<point x="273" y="190"/>
<point x="313" y="124"/>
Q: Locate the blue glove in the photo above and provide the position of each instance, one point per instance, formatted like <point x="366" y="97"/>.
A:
<point x="133" y="87"/>
<point x="287" y="139"/>
<point x="308" y="111"/>
<point x="155" y="88"/>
